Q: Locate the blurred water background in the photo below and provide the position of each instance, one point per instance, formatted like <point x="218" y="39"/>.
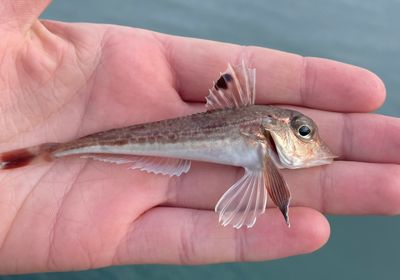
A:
<point x="365" y="33"/>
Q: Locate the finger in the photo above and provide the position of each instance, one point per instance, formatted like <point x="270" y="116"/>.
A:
<point x="339" y="188"/>
<point x="348" y="188"/>
<point x="188" y="236"/>
<point x="359" y="137"/>
<point x="281" y="77"/>
<point x="20" y="15"/>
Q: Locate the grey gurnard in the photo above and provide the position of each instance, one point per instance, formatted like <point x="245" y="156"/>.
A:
<point x="233" y="131"/>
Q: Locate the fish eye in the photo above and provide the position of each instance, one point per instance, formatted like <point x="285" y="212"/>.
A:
<point x="305" y="132"/>
<point x="303" y="127"/>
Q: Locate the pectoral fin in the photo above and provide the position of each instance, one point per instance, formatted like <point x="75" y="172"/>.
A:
<point x="277" y="188"/>
<point x="244" y="201"/>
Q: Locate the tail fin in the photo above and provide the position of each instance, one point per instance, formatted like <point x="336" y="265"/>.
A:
<point x="26" y="156"/>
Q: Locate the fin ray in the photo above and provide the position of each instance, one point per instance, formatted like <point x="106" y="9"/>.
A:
<point x="233" y="89"/>
<point x="156" y="165"/>
<point x="244" y="201"/>
<point x="277" y="188"/>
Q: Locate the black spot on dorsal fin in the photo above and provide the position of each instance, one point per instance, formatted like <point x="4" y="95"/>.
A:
<point x="223" y="80"/>
<point x="233" y="88"/>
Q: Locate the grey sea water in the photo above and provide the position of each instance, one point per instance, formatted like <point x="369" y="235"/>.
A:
<point x="365" y="33"/>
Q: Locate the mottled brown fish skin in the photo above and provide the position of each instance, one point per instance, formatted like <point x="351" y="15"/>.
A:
<point x="216" y="124"/>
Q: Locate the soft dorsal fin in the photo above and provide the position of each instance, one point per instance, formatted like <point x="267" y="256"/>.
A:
<point x="156" y="165"/>
<point x="236" y="87"/>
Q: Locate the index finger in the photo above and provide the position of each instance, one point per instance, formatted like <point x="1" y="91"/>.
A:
<point x="282" y="78"/>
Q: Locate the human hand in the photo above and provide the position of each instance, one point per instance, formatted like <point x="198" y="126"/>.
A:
<point x="59" y="81"/>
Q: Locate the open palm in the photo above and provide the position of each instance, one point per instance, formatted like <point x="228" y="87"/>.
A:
<point x="59" y="81"/>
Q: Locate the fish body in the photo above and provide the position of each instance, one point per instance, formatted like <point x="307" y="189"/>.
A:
<point x="233" y="131"/>
<point x="216" y="136"/>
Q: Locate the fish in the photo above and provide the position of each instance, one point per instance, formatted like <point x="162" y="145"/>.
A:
<point x="233" y="130"/>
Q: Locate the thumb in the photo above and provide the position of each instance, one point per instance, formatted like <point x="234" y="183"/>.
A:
<point x="20" y="15"/>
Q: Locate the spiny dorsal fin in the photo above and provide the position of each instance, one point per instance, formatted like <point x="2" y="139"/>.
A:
<point x="156" y="165"/>
<point x="236" y="87"/>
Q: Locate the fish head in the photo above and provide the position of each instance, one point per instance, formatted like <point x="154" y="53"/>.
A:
<point x="296" y="141"/>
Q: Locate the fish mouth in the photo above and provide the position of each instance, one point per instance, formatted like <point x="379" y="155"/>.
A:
<point x="296" y="162"/>
<point x="321" y="157"/>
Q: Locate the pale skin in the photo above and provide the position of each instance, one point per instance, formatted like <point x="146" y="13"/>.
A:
<point x="59" y="81"/>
